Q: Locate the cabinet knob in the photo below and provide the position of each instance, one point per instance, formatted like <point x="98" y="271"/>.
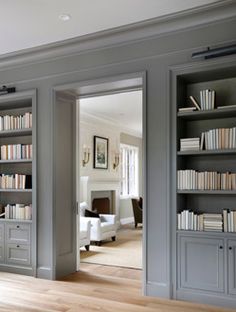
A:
<point x="221" y="247"/>
<point x="17" y="226"/>
<point x="17" y="246"/>
<point x="230" y="248"/>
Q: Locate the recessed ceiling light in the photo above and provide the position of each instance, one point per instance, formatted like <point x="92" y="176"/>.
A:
<point x="65" y="17"/>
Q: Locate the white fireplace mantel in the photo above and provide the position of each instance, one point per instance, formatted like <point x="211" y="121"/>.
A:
<point x="88" y="185"/>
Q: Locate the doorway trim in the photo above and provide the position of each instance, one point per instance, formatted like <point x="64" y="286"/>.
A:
<point x="94" y="87"/>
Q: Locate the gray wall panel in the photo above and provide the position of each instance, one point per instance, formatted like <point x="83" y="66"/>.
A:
<point x="155" y="56"/>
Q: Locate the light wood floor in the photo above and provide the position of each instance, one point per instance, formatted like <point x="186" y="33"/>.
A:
<point x="94" y="288"/>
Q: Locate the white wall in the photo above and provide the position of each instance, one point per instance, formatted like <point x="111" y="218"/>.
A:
<point x="89" y="127"/>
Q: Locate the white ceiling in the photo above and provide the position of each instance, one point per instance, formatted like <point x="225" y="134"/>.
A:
<point x="30" y="23"/>
<point x="123" y="110"/>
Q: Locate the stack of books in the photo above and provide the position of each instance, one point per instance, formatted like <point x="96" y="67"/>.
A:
<point x="212" y="222"/>
<point x="229" y="218"/>
<point x="191" y="144"/>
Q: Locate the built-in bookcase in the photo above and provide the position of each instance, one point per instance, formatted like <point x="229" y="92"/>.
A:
<point x="18" y="182"/>
<point x="205" y="260"/>
<point x="192" y="124"/>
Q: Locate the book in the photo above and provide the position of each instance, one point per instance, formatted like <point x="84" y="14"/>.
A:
<point x="226" y="106"/>
<point x="187" y="109"/>
<point x="195" y="102"/>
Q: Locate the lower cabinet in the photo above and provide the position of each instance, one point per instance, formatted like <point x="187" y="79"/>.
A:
<point x="206" y="267"/>
<point x="15" y="244"/>
<point x="232" y="266"/>
<point x="202" y="263"/>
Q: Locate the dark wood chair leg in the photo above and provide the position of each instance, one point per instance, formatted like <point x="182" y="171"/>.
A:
<point x="136" y="224"/>
<point x="113" y="238"/>
<point x="87" y="247"/>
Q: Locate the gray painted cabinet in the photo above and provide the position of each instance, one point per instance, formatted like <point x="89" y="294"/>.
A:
<point x="206" y="257"/>
<point x="18" y="226"/>
<point x="232" y="266"/>
<point x="201" y="263"/>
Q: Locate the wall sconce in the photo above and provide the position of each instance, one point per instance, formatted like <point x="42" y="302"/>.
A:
<point x="86" y="155"/>
<point x="116" y="160"/>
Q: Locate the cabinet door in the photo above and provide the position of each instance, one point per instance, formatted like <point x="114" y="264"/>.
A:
<point x="232" y="266"/>
<point x="201" y="263"/>
<point x="1" y="232"/>
<point x="2" y="258"/>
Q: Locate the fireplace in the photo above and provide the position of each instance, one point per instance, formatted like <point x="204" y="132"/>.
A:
<point x="109" y="190"/>
<point x="101" y="205"/>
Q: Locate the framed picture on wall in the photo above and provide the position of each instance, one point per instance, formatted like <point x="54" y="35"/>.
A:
<point x="100" y="153"/>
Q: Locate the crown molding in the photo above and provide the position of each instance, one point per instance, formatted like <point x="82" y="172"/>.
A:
<point x="210" y="13"/>
<point x="94" y="119"/>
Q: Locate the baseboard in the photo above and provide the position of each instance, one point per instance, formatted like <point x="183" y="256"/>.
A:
<point x="127" y="220"/>
<point x="17" y="269"/>
<point x="44" y="273"/>
<point x="207" y="298"/>
<point x="161" y="290"/>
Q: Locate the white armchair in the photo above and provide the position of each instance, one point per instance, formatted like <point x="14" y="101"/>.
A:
<point x="102" y="228"/>
<point x="85" y="230"/>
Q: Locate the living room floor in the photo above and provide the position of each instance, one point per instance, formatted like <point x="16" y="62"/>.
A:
<point x="126" y="251"/>
<point x="93" y="288"/>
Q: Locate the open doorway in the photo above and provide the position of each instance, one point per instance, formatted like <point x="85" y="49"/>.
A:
<point x="111" y="180"/>
<point x="67" y="182"/>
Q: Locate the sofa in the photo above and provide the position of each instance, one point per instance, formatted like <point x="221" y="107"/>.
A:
<point x="85" y="231"/>
<point x="102" y="227"/>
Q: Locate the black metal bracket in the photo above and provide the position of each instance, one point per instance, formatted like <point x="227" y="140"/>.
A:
<point x="6" y="90"/>
<point x="217" y="52"/>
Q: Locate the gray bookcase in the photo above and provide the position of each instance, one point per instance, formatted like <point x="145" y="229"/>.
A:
<point x="204" y="263"/>
<point x="17" y="236"/>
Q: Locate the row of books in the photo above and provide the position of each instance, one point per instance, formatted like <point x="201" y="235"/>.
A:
<point x="10" y="122"/>
<point x="207" y="180"/>
<point x="188" y="220"/>
<point x="221" y="138"/>
<point x="16" y="151"/>
<point x="216" y="222"/>
<point x="15" y="181"/>
<point x="18" y="211"/>
<point x="229" y="220"/>
<point x="207" y="101"/>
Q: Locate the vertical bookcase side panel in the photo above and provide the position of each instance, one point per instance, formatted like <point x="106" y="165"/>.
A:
<point x="34" y="182"/>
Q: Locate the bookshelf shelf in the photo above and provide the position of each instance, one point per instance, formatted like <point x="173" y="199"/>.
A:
<point x="3" y="220"/>
<point x="207" y="192"/>
<point x="19" y="132"/>
<point x="15" y="161"/>
<point x="207" y="152"/>
<point x="208" y="233"/>
<point x="207" y="114"/>
<point x="18" y="204"/>
<point x="16" y="190"/>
